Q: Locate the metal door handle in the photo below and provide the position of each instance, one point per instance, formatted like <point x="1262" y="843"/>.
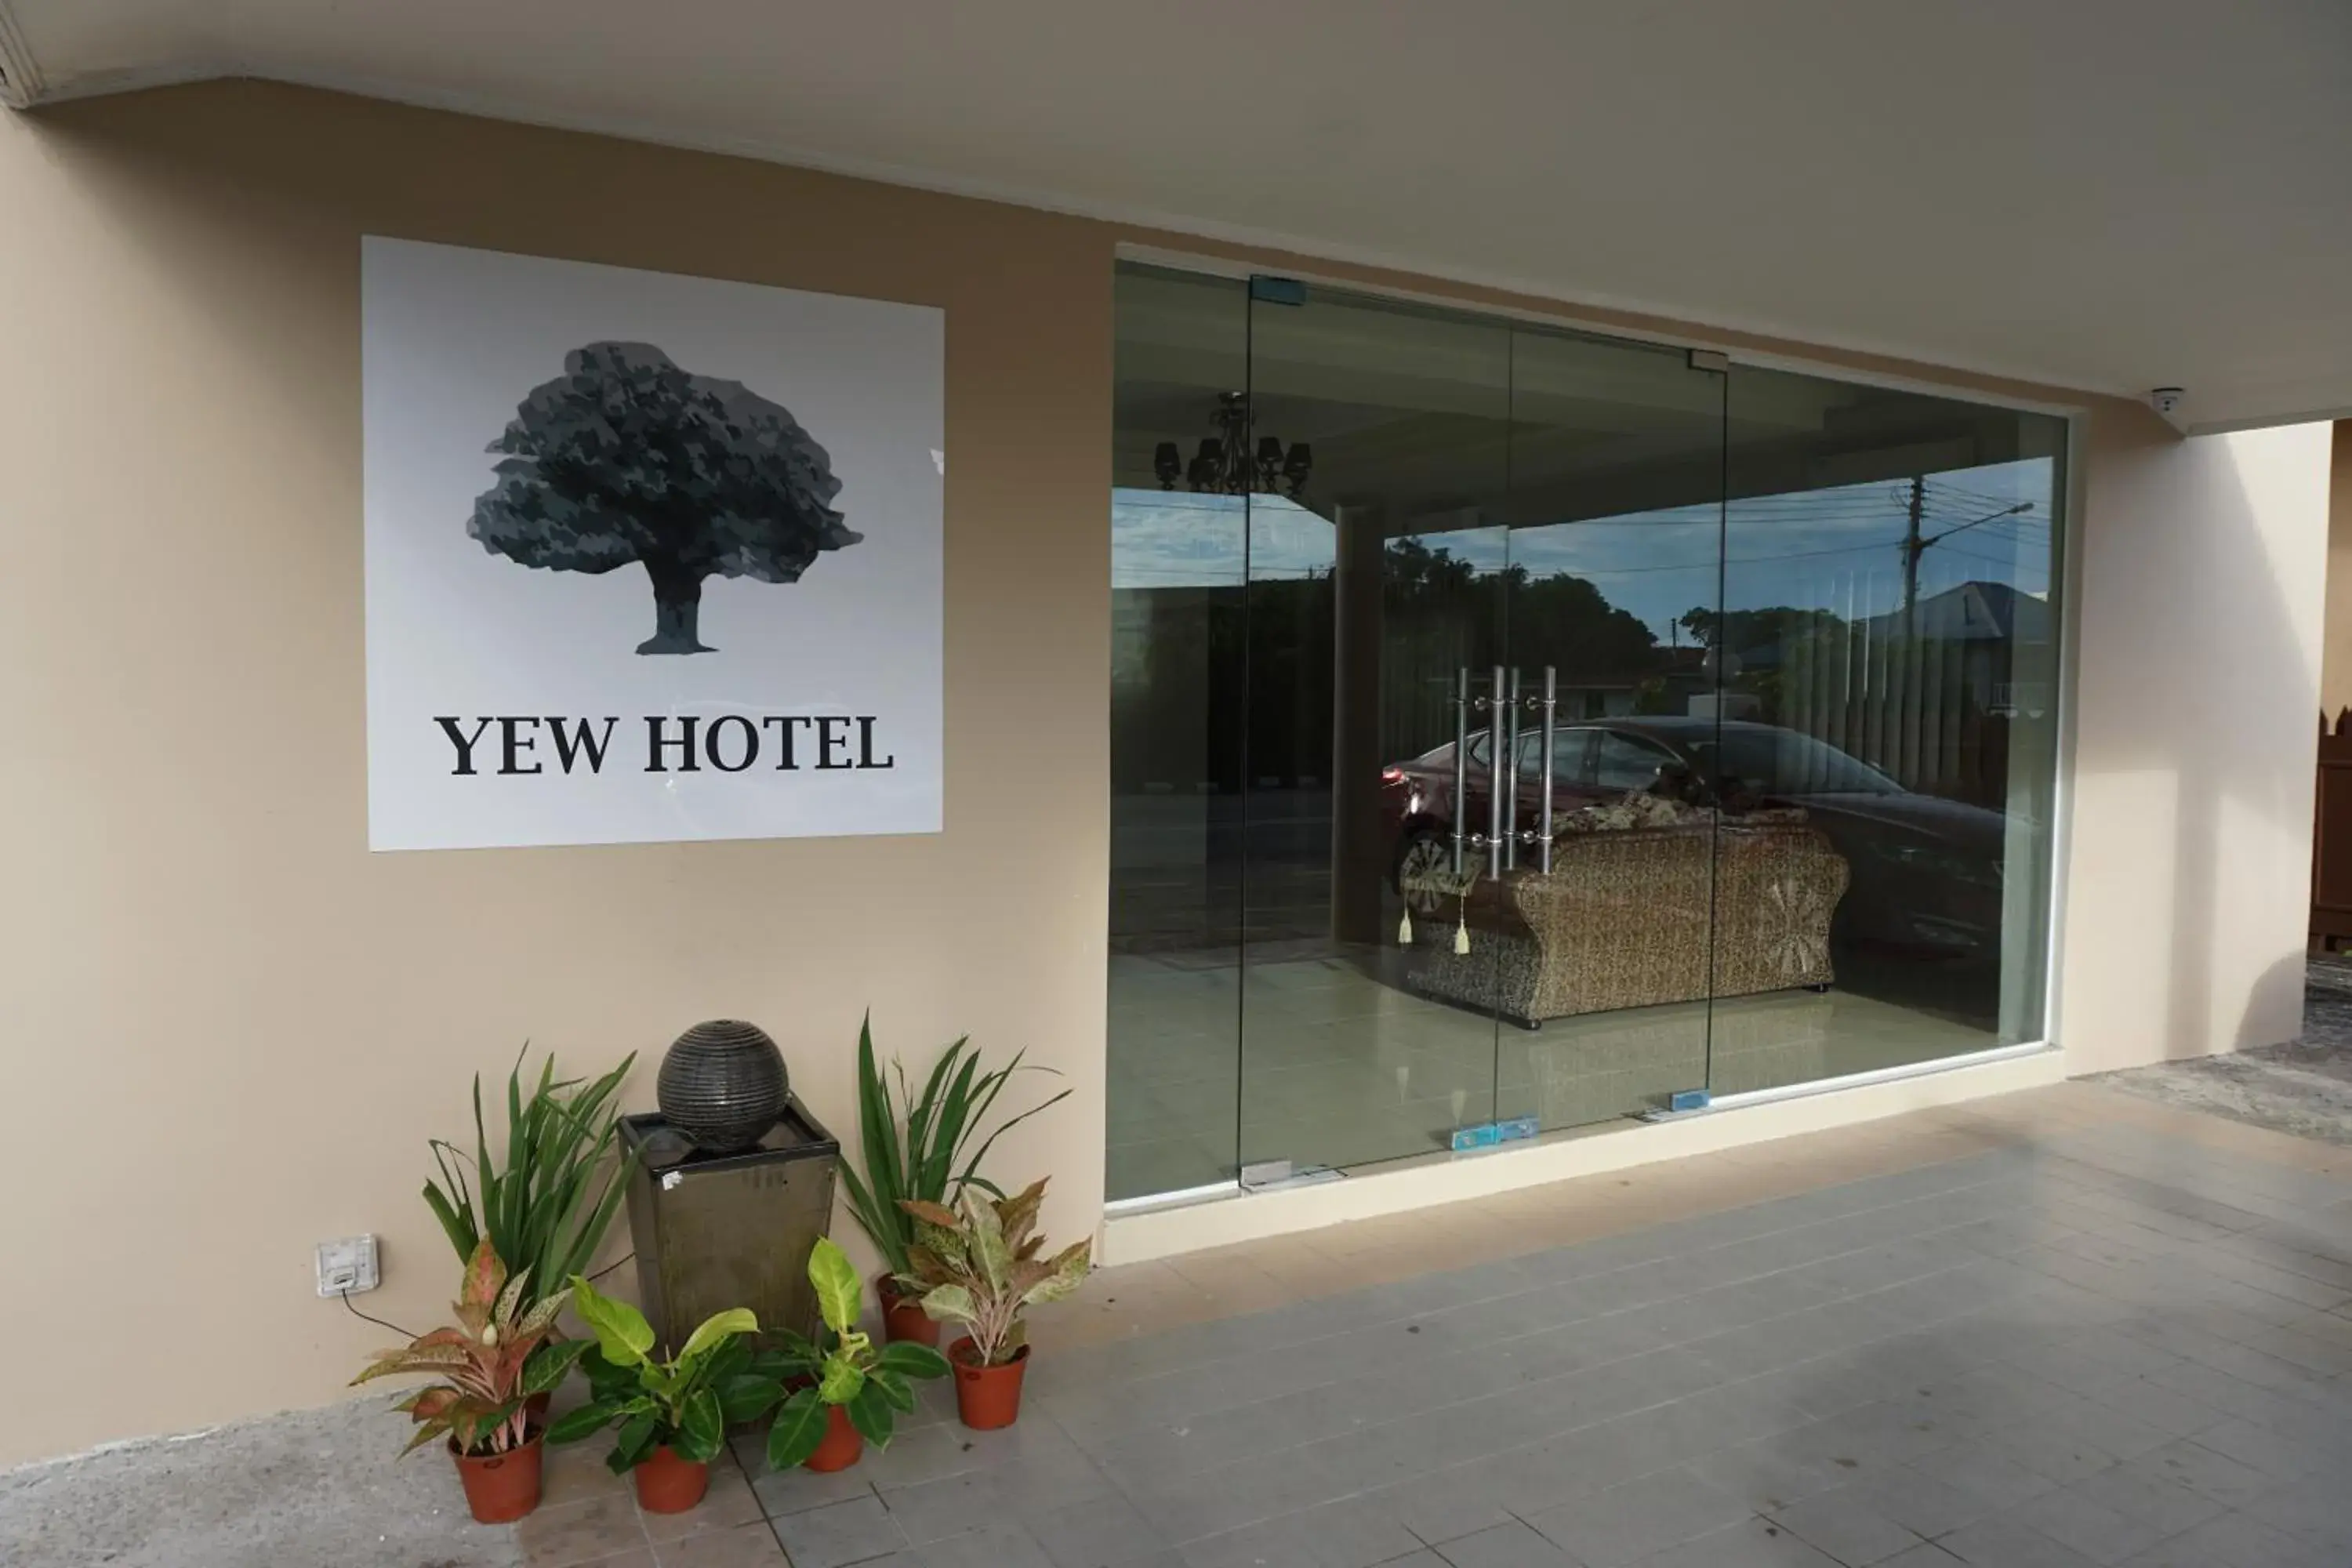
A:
<point x="1511" y="834"/>
<point x="1551" y="704"/>
<point x="1461" y="760"/>
<point x="1538" y="837"/>
<point x="1502" y="773"/>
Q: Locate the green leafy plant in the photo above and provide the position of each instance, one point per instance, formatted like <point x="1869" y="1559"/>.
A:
<point x="913" y="1147"/>
<point x="872" y="1385"/>
<point x="547" y="1207"/>
<point x="980" y="1268"/>
<point x="496" y="1358"/>
<point x="685" y="1403"/>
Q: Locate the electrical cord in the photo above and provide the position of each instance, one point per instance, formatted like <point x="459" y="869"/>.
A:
<point x="378" y="1322"/>
<point x="395" y="1328"/>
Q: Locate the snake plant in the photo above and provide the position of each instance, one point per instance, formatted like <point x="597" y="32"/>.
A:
<point x="913" y="1147"/>
<point x="546" y="1200"/>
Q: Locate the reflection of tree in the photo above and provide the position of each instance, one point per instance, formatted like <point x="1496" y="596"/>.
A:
<point x="1741" y="630"/>
<point x="1443" y="613"/>
<point x="1568" y="622"/>
<point x="1219" y="685"/>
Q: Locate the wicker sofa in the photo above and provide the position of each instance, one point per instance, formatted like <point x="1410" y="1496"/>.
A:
<point x="1642" y="916"/>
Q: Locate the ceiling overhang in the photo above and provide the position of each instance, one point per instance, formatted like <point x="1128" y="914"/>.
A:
<point x="2109" y="198"/>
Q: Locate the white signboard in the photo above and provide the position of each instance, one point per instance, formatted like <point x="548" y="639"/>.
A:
<point x="648" y="557"/>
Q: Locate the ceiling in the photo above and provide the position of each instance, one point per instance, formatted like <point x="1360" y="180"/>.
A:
<point x="2104" y="195"/>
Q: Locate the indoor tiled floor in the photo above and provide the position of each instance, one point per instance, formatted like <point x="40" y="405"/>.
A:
<point x="2065" y="1327"/>
<point x="1341" y="1066"/>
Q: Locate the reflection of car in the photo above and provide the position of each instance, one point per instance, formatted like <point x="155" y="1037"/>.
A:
<point x="1927" y="872"/>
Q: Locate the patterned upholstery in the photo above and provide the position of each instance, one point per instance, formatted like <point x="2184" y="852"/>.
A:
<point x="1623" y="921"/>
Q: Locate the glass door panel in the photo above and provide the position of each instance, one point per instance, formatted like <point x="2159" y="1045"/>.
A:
<point x="1615" y="516"/>
<point x="1178" y="584"/>
<point x="1886" y="760"/>
<point x="1371" y="443"/>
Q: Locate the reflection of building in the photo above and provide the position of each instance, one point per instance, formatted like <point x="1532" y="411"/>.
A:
<point x="1667" y="684"/>
<point x="1996" y="628"/>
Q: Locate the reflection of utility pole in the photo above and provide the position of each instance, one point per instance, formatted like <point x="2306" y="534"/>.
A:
<point x="1912" y="547"/>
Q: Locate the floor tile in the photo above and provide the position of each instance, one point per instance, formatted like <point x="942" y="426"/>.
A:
<point x="2316" y="1510"/>
<point x="1623" y="1523"/>
<point x="728" y="1503"/>
<point x="2006" y="1544"/>
<point x="994" y="1545"/>
<point x="798" y="1491"/>
<point x="1512" y="1545"/>
<point x="839" y="1533"/>
<point x="579" y="1532"/>
<point x="2093" y="1526"/>
<point x="1843" y="1524"/>
<point x="2273" y="1454"/>
<point x="2205" y="1472"/>
<point x="1753" y="1543"/>
<point x="1103" y="1532"/>
<point x="1447" y="1504"/>
<point x="744" y="1546"/>
<point x="2234" y="1540"/>
<point x="576" y="1473"/>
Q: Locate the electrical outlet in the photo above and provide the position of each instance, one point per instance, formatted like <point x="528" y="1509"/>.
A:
<point x="347" y="1266"/>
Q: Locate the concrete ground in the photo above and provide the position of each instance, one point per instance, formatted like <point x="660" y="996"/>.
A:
<point x="314" y="1488"/>
<point x="2065" y="1327"/>
<point x="2303" y="1088"/>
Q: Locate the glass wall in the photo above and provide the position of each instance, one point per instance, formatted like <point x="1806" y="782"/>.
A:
<point x="1513" y="728"/>
<point x="1178" y="584"/>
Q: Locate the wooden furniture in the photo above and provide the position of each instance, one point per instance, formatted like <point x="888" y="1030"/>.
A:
<point x="2331" y="836"/>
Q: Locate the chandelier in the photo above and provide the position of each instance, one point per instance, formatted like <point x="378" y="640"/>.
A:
<point x="1228" y="463"/>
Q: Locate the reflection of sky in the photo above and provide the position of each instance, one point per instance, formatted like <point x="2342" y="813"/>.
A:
<point x="1836" y="549"/>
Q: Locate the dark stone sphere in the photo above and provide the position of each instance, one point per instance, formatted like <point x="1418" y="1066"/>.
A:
<point x="722" y="1084"/>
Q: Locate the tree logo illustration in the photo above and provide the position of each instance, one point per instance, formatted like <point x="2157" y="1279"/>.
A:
<point x="626" y="457"/>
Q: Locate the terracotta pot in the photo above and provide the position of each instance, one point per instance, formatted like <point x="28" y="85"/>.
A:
<point x="843" y="1443"/>
<point x="500" y="1487"/>
<point x="987" y="1397"/>
<point x="667" y="1484"/>
<point x="903" y="1317"/>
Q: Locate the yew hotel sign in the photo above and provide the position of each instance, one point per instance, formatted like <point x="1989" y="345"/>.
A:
<point x="730" y="743"/>
<point x="649" y="557"/>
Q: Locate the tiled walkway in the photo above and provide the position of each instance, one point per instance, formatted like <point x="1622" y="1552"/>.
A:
<point x="2067" y="1327"/>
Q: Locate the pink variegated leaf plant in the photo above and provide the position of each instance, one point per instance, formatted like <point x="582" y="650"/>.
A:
<point x="487" y="1366"/>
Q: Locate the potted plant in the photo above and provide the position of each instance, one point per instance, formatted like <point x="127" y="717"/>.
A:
<point x="979" y="1267"/>
<point x="545" y="1203"/>
<point x="913" y="1150"/>
<point x="489" y="1366"/>
<point x="672" y="1413"/>
<point x="850" y="1393"/>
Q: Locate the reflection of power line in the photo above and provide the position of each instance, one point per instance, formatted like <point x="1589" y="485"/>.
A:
<point x="1974" y="500"/>
<point x="1709" y="564"/>
<point x="1916" y="544"/>
<point x="1952" y="508"/>
<point x="2015" y="522"/>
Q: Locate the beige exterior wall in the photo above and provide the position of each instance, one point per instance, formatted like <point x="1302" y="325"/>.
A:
<point x="2200" y="600"/>
<point x="229" y="1028"/>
